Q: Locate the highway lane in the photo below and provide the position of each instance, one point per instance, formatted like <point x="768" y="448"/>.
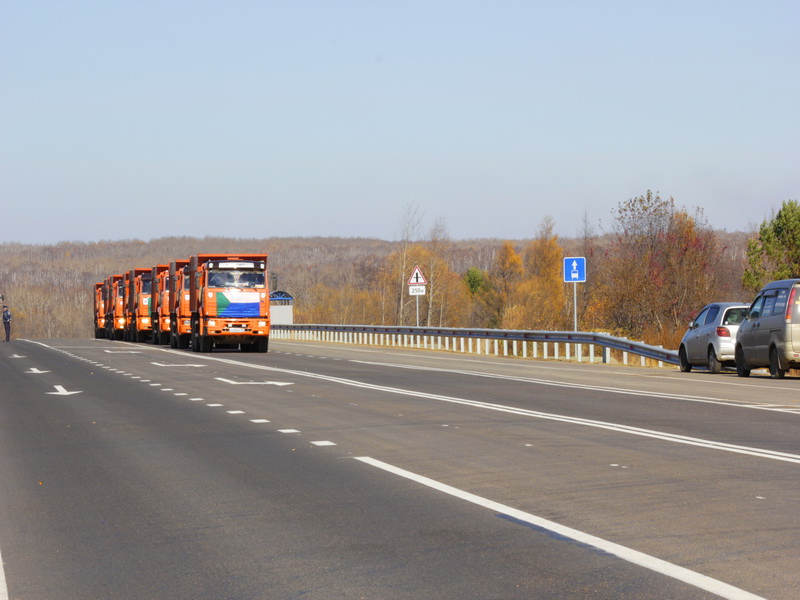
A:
<point x="157" y="482"/>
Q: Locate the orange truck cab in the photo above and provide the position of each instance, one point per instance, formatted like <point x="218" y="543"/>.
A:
<point x="229" y="302"/>
<point x="159" y="304"/>
<point x="139" y="287"/>
<point x="99" y="310"/>
<point x="115" y="307"/>
<point x="180" y="316"/>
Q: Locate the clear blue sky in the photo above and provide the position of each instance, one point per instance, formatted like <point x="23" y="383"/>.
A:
<point x="248" y="118"/>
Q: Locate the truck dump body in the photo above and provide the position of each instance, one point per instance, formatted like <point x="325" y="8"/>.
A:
<point x="99" y="309"/>
<point x="139" y="289"/>
<point x="180" y="316"/>
<point x="115" y="307"/>
<point x="159" y="304"/>
<point x="229" y="301"/>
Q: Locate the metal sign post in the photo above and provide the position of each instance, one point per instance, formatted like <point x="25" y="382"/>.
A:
<point x="416" y="286"/>
<point x="575" y="273"/>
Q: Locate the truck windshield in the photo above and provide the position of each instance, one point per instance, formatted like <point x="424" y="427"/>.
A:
<point x="147" y="286"/>
<point x="236" y="279"/>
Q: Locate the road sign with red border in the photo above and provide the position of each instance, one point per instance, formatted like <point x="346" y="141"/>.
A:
<point x="417" y="278"/>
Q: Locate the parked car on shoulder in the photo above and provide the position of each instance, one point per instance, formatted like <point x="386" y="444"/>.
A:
<point x="770" y="334"/>
<point x="711" y="337"/>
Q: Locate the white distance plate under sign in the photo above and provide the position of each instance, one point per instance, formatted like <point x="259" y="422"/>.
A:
<point x="416" y="290"/>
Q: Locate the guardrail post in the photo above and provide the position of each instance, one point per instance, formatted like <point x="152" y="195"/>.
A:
<point x="567" y="348"/>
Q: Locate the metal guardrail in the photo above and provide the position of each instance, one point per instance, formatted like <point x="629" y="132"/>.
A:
<point x="383" y="335"/>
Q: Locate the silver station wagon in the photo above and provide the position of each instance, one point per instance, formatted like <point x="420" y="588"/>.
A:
<point x="711" y="337"/>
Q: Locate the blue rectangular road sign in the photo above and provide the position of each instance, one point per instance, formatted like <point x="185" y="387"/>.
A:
<point x="575" y="269"/>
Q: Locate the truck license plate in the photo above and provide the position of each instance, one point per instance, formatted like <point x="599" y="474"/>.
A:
<point x="236" y="329"/>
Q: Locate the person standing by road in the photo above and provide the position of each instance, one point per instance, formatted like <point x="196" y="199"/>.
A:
<point x="7" y="322"/>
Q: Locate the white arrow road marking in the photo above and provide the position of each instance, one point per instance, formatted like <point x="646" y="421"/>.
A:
<point x="281" y="383"/>
<point x="17" y="356"/>
<point x="60" y="391"/>
<point x="175" y="365"/>
<point x="36" y="371"/>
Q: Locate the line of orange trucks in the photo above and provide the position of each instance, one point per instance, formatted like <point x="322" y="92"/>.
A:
<point x="208" y="301"/>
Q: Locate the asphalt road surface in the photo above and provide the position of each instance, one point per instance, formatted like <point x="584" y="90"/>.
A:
<point x="319" y="471"/>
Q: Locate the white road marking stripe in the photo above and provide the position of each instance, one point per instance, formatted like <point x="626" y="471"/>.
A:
<point x="323" y="443"/>
<point x="669" y="437"/>
<point x="259" y="421"/>
<point x="652" y="563"/>
<point x="288" y="431"/>
<point x="581" y="386"/>
<point x="235" y="412"/>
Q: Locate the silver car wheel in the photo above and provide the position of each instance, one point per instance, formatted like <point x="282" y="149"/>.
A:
<point x="714" y="366"/>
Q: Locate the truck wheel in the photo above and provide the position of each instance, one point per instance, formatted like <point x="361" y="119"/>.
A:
<point x="205" y="343"/>
<point x="183" y="341"/>
<point x="261" y="345"/>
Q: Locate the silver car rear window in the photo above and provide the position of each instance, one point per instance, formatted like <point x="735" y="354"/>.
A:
<point x="734" y="316"/>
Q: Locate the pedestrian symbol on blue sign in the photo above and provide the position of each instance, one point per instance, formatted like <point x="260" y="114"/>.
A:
<point x="575" y="269"/>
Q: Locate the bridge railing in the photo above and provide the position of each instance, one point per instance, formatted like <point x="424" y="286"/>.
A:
<point x="562" y="345"/>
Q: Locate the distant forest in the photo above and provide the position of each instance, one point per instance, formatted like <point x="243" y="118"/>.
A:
<point x="646" y="278"/>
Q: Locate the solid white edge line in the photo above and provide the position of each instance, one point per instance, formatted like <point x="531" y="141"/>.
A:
<point x="757" y="452"/>
<point x="652" y="563"/>
<point x="3" y="588"/>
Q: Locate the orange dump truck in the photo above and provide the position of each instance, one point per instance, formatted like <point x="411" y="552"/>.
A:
<point x="159" y="304"/>
<point x="229" y="302"/>
<point x="139" y="287"/>
<point x="99" y="310"/>
<point x="115" y="307"/>
<point x="180" y="316"/>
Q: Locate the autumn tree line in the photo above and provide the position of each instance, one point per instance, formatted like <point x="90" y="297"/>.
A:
<point x="648" y="274"/>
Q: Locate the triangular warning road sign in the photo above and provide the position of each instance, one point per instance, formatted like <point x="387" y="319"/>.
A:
<point x="417" y="278"/>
